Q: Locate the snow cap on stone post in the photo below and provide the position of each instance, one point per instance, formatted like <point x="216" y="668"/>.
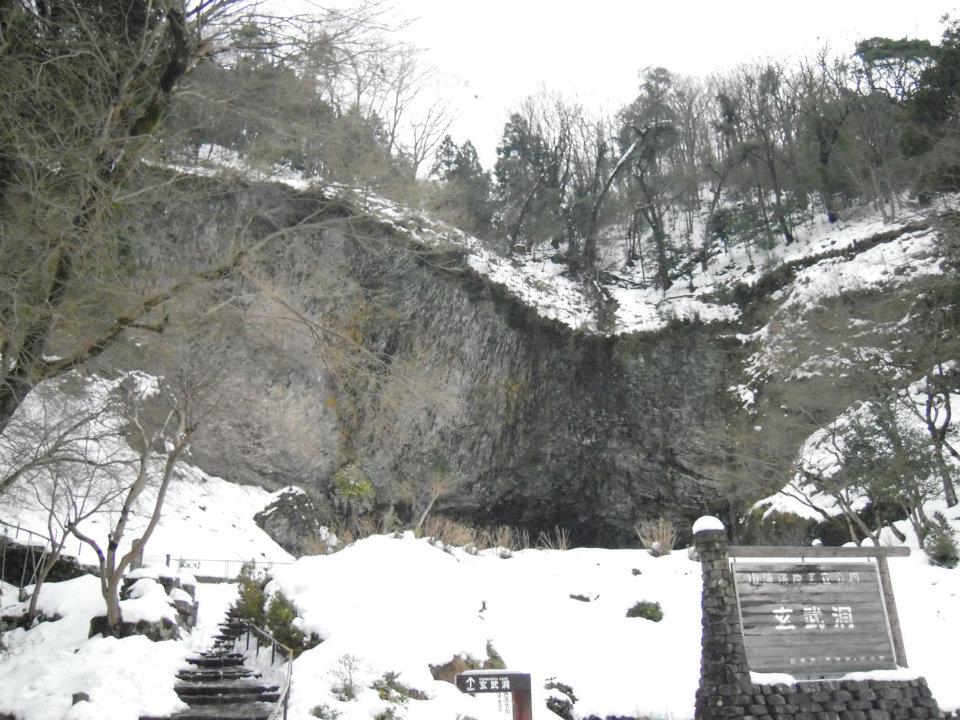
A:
<point x="706" y="523"/>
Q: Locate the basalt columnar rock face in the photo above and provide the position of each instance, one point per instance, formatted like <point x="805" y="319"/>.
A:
<point x="427" y="376"/>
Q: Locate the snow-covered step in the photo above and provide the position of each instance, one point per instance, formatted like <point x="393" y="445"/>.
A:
<point x="215" y="675"/>
<point x="232" y="699"/>
<point x="219" y="687"/>
<point x="240" y="687"/>
<point x="252" y="711"/>
<point x="216" y="661"/>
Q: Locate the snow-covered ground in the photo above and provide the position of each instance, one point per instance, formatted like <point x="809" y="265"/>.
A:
<point x="401" y="605"/>
<point x="396" y="604"/>
<point x="42" y="668"/>
<point x="207" y="524"/>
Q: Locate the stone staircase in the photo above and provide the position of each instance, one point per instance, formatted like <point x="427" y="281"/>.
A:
<point x="217" y="686"/>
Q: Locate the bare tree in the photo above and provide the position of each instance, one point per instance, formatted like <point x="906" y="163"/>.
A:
<point x="64" y="454"/>
<point x="161" y="422"/>
<point x="85" y="87"/>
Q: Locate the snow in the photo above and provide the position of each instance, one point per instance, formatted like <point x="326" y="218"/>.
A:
<point x="125" y="679"/>
<point x="178" y="595"/>
<point x="707" y="522"/>
<point x="141" y="587"/>
<point x="80" y="596"/>
<point x="402" y="604"/>
<point x="201" y="511"/>
<point x="910" y="256"/>
<point x="151" y="605"/>
<point x="46" y="665"/>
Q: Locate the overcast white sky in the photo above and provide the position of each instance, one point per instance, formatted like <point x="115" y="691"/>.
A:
<point x="493" y="53"/>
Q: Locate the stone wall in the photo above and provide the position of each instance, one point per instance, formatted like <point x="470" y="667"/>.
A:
<point x="726" y="690"/>
<point x="20" y="562"/>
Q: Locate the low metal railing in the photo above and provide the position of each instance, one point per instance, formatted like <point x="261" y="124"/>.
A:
<point x="7" y="528"/>
<point x="210" y="567"/>
<point x="280" y="708"/>
<point x="35" y="546"/>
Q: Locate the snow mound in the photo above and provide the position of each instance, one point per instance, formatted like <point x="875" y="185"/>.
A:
<point x="707" y="522"/>
<point x="402" y="605"/>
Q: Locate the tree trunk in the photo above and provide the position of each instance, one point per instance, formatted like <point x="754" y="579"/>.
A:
<point x="663" y="266"/>
<point x="590" y="244"/>
<point x="48" y="563"/>
<point x="949" y="491"/>
<point x="778" y="204"/>
<point x="896" y="532"/>
<point x="112" y="599"/>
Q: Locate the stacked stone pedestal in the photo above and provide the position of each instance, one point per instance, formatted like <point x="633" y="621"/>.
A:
<point x="726" y="690"/>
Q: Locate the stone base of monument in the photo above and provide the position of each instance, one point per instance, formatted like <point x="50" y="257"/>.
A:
<point x="823" y="700"/>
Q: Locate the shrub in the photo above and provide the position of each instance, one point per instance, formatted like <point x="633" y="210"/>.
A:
<point x="352" y="483"/>
<point x="387" y="714"/>
<point x="252" y="599"/>
<point x="562" y="700"/>
<point x="346" y="687"/>
<point x="646" y="610"/>
<point x="449" y="532"/>
<point x="390" y="688"/>
<point x="504" y="537"/>
<point x="658" y="535"/>
<point x="279" y="621"/>
<point x="558" y="539"/>
<point x="941" y="543"/>
<point x="494" y="660"/>
<point x="447" y="672"/>
<point x="325" y="712"/>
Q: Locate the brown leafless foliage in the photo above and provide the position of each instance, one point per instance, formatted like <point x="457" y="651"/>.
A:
<point x="85" y="87"/>
<point x="657" y="535"/>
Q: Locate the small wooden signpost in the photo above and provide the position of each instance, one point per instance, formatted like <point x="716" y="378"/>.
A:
<point x="474" y="682"/>
<point x="817" y="619"/>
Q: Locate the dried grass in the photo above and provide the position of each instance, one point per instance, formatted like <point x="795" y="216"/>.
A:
<point x="449" y="532"/>
<point x="556" y="539"/>
<point x="657" y="535"/>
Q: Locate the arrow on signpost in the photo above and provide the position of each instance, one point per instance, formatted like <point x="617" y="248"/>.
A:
<point x="470" y="684"/>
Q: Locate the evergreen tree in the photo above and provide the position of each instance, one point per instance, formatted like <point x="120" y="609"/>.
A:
<point x="528" y="185"/>
<point x="467" y="184"/>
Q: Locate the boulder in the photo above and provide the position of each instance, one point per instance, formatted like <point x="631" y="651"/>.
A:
<point x="295" y="521"/>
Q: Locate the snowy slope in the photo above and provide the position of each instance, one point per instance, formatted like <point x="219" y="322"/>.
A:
<point x="401" y="604"/>
<point x="207" y="522"/>
<point x="43" y="667"/>
<point x="555" y="294"/>
<point x="820" y="454"/>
